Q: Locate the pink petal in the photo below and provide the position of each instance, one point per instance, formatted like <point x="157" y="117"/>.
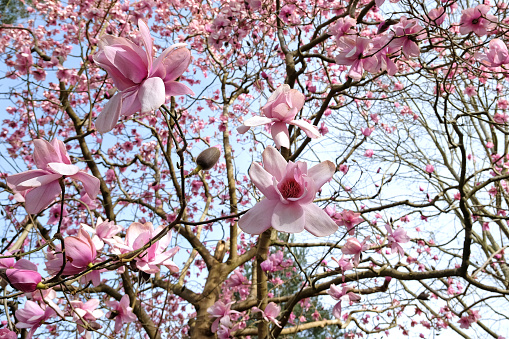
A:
<point x="128" y="62"/>
<point x="310" y="130"/>
<point x="15" y="179"/>
<point x="263" y="181"/>
<point x="63" y="169"/>
<point x="160" y="67"/>
<point x="130" y="102"/>
<point x="44" y="153"/>
<point x="274" y="162"/>
<point x="288" y="218"/>
<point x="243" y="129"/>
<point x="174" y="88"/>
<point x="39" y="198"/>
<point x="257" y="121"/>
<point x="151" y="94"/>
<point x="110" y="114"/>
<point x="318" y="222"/>
<point x="135" y="230"/>
<point x="90" y="183"/>
<point x="280" y="135"/>
<point x="147" y="41"/>
<point x="176" y="63"/>
<point x="258" y="218"/>
<point x="38" y="181"/>
<point x="322" y="172"/>
<point x="336" y="311"/>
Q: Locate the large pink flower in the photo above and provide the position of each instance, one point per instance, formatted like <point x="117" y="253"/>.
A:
<point x="122" y="312"/>
<point x="280" y="110"/>
<point x="143" y="83"/>
<point x="37" y="188"/>
<point x="289" y="190"/>
<point x="477" y="20"/>
<point x="32" y="316"/>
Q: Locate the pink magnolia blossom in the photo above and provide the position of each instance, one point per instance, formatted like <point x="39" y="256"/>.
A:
<point x="80" y="252"/>
<point x="143" y="83"/>
<point x="271" y="312"/>
<point x="477" y="20"/>
<point x="406" y="35"/>
<point x="289" y="190"/>
<point x="342" y="294"/>
<point x="104" y="232"/>
<point x="122" y="312"/>
<point x="38" y="188"/>
<point x="342" y="27"/>
<point x="354" y="51"/>
<point x="395" y="238"/>
<point x="348" y="219"/>
<point x="87" y="311"/>
<point x="280" y="110"/>
<point x="222" y="312"/>
<point x="385" y="52"/>
<point x="5" y="333"/>
<point x="32" y="316"/>
<point x="355" y="247"/>
<point x="437" y="16"/>
<point x="23" y="280"/>
<point x="429" y="168"/>
<point x="344" y="265"/>
<point x="137" y="236"/>
<point x="497" y="54"/>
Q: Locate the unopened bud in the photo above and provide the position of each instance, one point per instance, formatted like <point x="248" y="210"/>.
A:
<point x="208" y="158"/>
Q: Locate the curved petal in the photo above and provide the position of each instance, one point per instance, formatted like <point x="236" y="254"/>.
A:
<point x="63" y="169"/>
<point x="258" y="219"/>
<point x="15" y="179"/>
<point x="263" y="181"/>
<point x="135" y="229"/>
<point x="147" y="42"/>
<point x="310" y="130"/>
<point x="39" y="198"/>
<point x="336" y="311"/>
<point x="280" y="135"/>
<point x="243" y="129"/>
<point x="173" y="88"/>
<point x="126" y="62"/>
<point x="257" y="121"/>
<point x="38" y="181"/>
<point x="110" y="114"/>
<point x="151" y="94"/>
<point x="322" y="172"/>
<point x="176" y="63"/>
<point x="274" y="162"/>
<point x="289" y="218"/>
<point x="159" y="66"/>
<point x="318" y="223"/>
<point x="130" y="102"/>
<point x="90" y="183"/>
<point x="44" y="152"/>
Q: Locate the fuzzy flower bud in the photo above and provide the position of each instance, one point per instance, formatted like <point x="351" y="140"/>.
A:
<point x="208" y="158"/>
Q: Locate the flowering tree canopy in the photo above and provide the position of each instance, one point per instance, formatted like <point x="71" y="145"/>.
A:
<point x="254" y="169"/>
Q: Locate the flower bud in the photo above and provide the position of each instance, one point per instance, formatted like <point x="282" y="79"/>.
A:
<point x="208" y="158"/>
<point x="23" y="280"/>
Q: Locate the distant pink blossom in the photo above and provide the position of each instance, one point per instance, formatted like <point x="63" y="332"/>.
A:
<point x="429" y="168"/>
<point x="121" y="312"/>
<point x="270" y="313"/>
<point x="143" y="83"/>
<point x="437" y="16"/>
<point x="477" y="20"/>
<point x="354" y="51"/>
<point x="5" y="333"/>
<point x="342" y="294"/>
<point x="38" y="188"/>
<point x="87" y="311"/>
<point x="289" y="190"/>
<point x="342" y="27"/>
<point x="104" y="232"/>
<point x="280" y="111"/>
<point x="395" y="238"/>
<point x="470" y="91"/>
<point x="348" y="219"/>
<point x="220" y="310"/>
<point x="406" y="35"/>
<point x="355" y="247"/>
<point x="369" y="153"/>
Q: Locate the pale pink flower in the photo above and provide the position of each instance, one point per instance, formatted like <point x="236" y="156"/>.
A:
<point x="23" y="280"/>
<point x="369" y="153"/>
<point x="406" y="33"/>
<point x="367" y="131"/>
<point x="236" y="279"/>
<point x="355" y="247"/>
<point x="38" y="188"/>
<point x="344" y="265"/>
<point x="80" y="252"/>
<point x="342" y="294"/>
<point x="497" y="54"/>
<point x="289" y="190"/>
<point x="429" y="168"/>
<point x="354" y="51"/>
<point x="501" y="117"/>
<point x="5" y="333"/>
<point x="396" y="238"/>
<point x="222" y="312"/>
<point x="271" y="312"/>
<point x="477" y="20"/>
<point x="348" y="219"/>
<point x="143" y="83"/>
<point x="470" y="91"/>
<point x="137" y="236"/>
<point x="122" y="312"/>
<point x="343" y="26"/>
<point x="385" y="52"/>
<point x="436" y="16"/>
<point x="87" y="311"/>
<point x="32" y="316"/>
<point x="104" y="232"/>
<point x="280" y="110"/>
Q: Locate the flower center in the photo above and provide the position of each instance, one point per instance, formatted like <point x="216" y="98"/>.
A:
<point x="291" y="189"/>
<point x="475" y="21"/>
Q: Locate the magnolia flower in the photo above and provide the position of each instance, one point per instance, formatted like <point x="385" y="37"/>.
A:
<point x="348" y="219"/>
<point x="143" y="83"/>
<point x="395" y="238"/>
<point x="37" y="188"/>
<point x="87" y="311"/>
<point x="406" y="33"/>
<point x="353" y="246"/>
<point x="289" y="190"/>
<point x="32" y="316"/>
<point x="23" y="280"/>
<point x="122" y="312"/>
<point x="80" y="252"/>
<point x="280" y="110"/>
<point x="436" y="16"/>
<point x="497" y="54"/>
<point x="104" y="232"/>
<point x="354" y="51"/>
<point x="342" y="295"/>
<point x="271" y="312"/>
<point x="222" y="312"/>
<point x="5" y="333"/>
<point x="148" y="261"/>
<point x="477" y="20"/>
